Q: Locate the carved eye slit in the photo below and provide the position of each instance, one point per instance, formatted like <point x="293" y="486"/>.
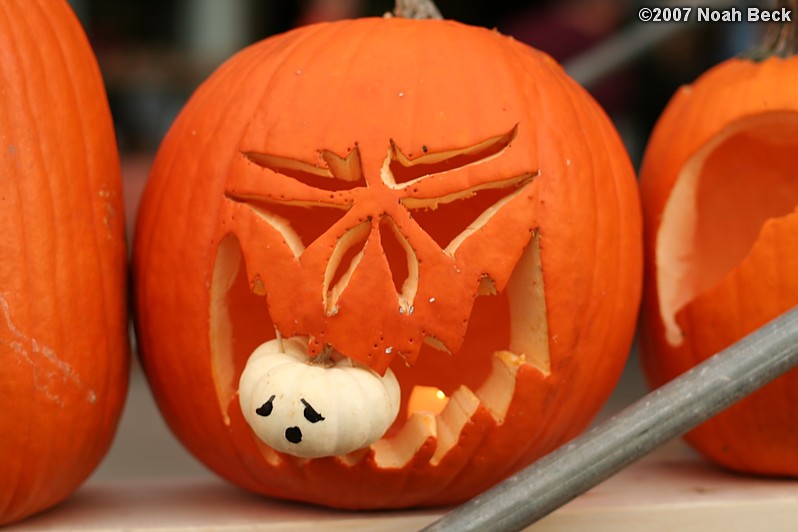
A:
<point x="310" y="413"/>
<point x="455" y="213"/>
<point x="266" y="408"/>
<point x="339" y="173"/>
<point x="302" y="221"/>
<point x="403" y="169"/>
<point x="299" y="224"/>
<point x="444" y="222"/>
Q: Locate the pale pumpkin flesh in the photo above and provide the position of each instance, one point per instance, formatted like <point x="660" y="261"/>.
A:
<point x="744" y="177"/>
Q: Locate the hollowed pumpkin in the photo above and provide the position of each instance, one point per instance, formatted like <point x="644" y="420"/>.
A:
<point x="720" y="193"/>
<point x="63" y="315"/>
<point x="420" y="196"/>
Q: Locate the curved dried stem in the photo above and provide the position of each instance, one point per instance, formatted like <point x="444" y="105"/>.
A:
<point x="781" y="38"/>
<point x="417" y="9"/>
<point x="323" y="359"/>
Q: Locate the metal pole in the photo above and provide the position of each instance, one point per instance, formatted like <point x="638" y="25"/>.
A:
<point x="658" y="417"/>
<point x="631" y="42"/>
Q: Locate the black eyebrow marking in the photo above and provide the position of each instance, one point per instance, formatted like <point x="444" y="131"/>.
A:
<point x="266" y="408"/>
<point x="311" y="414"/>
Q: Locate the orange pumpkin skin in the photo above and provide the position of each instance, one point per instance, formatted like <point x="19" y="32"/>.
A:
<point x="423" y="118"/>
<point x="738" y="124"/>
<point x="63" y="317"/>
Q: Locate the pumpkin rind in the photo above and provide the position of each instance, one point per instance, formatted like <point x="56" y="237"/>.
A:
<point x="216" y="270"/>
<point x="63" y="315"/>
<point x="738" y="97"/>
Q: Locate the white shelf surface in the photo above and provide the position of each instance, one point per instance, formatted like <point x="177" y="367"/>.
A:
<point x="670" y="490"/>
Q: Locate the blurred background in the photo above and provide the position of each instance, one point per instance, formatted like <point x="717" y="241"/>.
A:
<point x="154" y="53"/>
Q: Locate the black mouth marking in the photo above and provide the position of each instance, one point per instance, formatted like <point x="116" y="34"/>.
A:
<point x="293" y="434"/>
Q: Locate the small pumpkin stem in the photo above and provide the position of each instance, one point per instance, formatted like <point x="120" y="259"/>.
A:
<point x="417" y="9"/>
<point x="323" y="359"/>
<point x="781" y="38"/>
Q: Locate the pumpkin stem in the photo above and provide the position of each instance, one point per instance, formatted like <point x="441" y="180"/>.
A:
<point x="417" y="9"/>
<point x="323" y="359"/>
<point x="781" y="38"/>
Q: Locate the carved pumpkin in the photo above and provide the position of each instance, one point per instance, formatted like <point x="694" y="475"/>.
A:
<point x="423" y="197"/>
<point x="63" y="321"/>
<point x="720" y="195"/>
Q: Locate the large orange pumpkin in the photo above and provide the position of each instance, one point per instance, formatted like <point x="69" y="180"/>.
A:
<point x="720" y="194"/>
<point x="420" y="196"/>
<point x="63" y="317"/>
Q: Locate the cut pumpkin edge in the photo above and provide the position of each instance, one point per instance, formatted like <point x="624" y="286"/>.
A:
<point x="675" y="271"/>
<point x="674" y="333"/>
<point x="442" y="431"/>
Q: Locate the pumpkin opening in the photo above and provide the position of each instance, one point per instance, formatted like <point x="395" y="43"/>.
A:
<point x="727" y="190"/>
<point x="402" y="261"/>
<point x="299" y="223"/>
<point x="337" y="173"/>
<point x="506" y="328"/>
<point x="407" y="168"/>
<point x="239" y="321"/>
<point x="505" y="331"/>
<point x="343" y="262"/>
<point x="445" y="222"/>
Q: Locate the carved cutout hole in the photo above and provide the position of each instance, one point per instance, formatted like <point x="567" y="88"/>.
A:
<point x="407" y="168"/>
<point x="721" y="199"/>
<point x="299" y="223"/>
<point x="402" y="261"/>
<point x="333" y="173"/>
<point x="343" y="262"/>
<point x="449" y="220"/>
<point x="239" y="322"/>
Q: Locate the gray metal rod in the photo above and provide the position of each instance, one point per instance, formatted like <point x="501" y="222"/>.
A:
<point x="619" y="50"/>
<point x="663" y="414"/>
<point x="628" y="44"/>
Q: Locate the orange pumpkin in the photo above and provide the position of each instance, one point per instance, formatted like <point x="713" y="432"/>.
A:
<point x="720" y="194"/>
<point x="63" y="317"/>
<point x="423" y="197"/>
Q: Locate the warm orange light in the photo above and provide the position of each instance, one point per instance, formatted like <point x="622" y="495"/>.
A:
<point x="426" y="399"/>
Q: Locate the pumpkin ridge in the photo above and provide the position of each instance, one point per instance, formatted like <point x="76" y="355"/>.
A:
<point x="23" y="107"/>
<point x="93" y="188"/>
<point x="63" y="201"/>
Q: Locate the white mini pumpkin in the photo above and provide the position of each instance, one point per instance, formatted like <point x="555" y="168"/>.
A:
<point x="311" y="410"/>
